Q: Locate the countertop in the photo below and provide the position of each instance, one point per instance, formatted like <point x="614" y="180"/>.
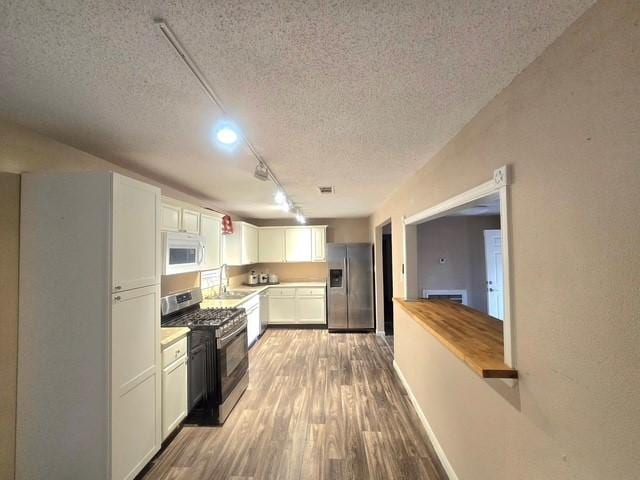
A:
<point x="168" y="335"/>
<point x="472" y="336"/>
<point x="236" y="302"/>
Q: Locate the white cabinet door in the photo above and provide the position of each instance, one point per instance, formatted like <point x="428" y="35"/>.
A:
<point x="136" y="234"/>
<point x="271" y="245"/>
<point x="249" y="244"/>
<point x="171" y="218"/>
<point x="210" y="229"/>
<point x="282" y="309"/>
<point x="318" y="241"/>
<point x="298" y="244"/>
<point x="190" y="221"/>
<point x="174" y="395"/>
<point x="232" y="247"/>
<point x="135" y="380"/>
<point x="310" y="310"/>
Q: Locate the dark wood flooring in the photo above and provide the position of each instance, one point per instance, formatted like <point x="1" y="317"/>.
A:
<point x="318" y="406"/>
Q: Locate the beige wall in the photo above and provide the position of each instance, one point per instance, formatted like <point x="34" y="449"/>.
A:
<point x="9" y="253"/>
<point x="460" y="241"/>
<point x="570" y="127"/>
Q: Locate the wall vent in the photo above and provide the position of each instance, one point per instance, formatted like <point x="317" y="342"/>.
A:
<point x="326" y="190"/>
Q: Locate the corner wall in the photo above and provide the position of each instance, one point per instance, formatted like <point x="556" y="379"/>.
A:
<point x="569" y="125"/>
<point x="9" y="255"/>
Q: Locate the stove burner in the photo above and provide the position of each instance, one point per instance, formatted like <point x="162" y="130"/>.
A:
<point x="206" y="317"/>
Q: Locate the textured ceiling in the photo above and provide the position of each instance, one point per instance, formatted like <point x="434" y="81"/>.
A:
<point x="356" y="94"/>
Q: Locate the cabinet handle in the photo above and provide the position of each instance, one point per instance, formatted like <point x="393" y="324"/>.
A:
<point x="118" y="287"/>
<point x="117" y="298"/>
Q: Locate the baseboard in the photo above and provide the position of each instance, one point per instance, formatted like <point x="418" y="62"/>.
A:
<point x="430" y="433"/>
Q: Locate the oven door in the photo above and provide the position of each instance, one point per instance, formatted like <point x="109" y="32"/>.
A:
<point x="232" y="360"/>
<point x="183" y="252"/>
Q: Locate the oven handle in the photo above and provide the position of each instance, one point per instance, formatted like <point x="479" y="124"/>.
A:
<point x="223" y="341"/>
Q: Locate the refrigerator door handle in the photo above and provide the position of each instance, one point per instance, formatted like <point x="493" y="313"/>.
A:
<point x="346" y="269"/>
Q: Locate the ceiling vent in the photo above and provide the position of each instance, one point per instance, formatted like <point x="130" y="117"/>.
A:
<point x="326" y="190"/>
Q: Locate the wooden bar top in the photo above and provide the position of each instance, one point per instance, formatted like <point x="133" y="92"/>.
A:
<point x="474" y="337"/>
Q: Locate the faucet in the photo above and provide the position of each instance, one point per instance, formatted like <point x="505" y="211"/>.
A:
<point x="223" y="288"/>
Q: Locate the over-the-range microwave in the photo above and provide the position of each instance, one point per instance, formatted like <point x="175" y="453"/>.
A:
<point x="182" y="252"/>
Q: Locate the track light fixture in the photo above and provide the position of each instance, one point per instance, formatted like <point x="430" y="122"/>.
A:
<point x="261" y="172"/>
<point x="226" y="136"/>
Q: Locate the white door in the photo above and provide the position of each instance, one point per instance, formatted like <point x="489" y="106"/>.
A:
<point x="318" y="244"/>
<point x="271" y="245"/>
<point x="210" y="228"/>
<point x="190" y="221"/>
<point x="249" y="244"/>
<point x="136" y="234"/>
<point x="493" y="261"/>
<point x="174" y="395"/>
<point x="170" y="218"/>
<point x="310" y="310"/>
<point x="135" y="380"/>
<point x="282" y="309"/>
<point x="298" y="244"/>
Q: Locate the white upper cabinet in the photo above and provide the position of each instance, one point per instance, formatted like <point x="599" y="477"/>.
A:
<point x="171" y="218"/>
<point x="241" y="247"/>
<point x="271" y="245"/>
<point x="249" y="244"/>
<point x="190" y="221"/>
<point x="210" y="229"/>
<point x="298" y="244"/>
<point x="178" y="216"/>
<point x="319" y="241"/>
<point x="136" y="220"/>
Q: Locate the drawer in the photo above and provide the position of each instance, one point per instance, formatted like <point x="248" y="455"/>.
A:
<point x="252" y="302"/>
<point x="281" y="292"/>
<point x="310" y="292"/>
<point x="174" y="351"/>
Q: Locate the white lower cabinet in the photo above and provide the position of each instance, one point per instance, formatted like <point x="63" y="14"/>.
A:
<point x="282" y="309"/>
<point x="296" y="305"/>
<point x="174" y="385"/>
<point x="310" y="310"/>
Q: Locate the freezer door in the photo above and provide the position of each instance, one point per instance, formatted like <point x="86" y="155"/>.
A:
<point x="337" y="312"/>
<point x="360" y="286"/>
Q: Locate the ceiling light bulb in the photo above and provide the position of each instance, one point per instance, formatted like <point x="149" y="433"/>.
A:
<point x="227" y="135"/>
<point x="280" y="197"/>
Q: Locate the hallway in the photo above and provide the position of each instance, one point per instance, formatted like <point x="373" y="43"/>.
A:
<point x="318" y="406"/>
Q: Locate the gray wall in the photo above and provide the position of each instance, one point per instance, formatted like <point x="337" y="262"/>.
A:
<point x="460" y="240"/>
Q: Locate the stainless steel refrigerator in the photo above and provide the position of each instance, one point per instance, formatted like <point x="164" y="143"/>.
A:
<point x="350" y="286"/>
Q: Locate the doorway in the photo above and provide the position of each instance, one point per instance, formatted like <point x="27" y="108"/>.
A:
<point x="387" y="281"/>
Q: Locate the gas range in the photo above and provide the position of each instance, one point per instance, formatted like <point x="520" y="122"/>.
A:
<point x="222" y="319"/>
<point x="218" y="365"/>
<point x="183" y="310"/>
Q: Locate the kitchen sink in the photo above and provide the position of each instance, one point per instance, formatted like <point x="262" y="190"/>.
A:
<point x="231" y="295"/>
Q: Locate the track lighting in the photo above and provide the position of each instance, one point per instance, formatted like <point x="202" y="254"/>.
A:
<point x="280" y="197"/>
<point x="261" y="172"/>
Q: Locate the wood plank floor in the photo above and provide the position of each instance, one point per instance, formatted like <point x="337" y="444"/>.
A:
<point x="318" y="406"/>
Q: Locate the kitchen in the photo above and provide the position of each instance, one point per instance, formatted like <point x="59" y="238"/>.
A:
<point x="197" y="204"/>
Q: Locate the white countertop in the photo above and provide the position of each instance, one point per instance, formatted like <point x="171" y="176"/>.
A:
<point x="168" y="335"/>
<point x="236" y="302"/>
